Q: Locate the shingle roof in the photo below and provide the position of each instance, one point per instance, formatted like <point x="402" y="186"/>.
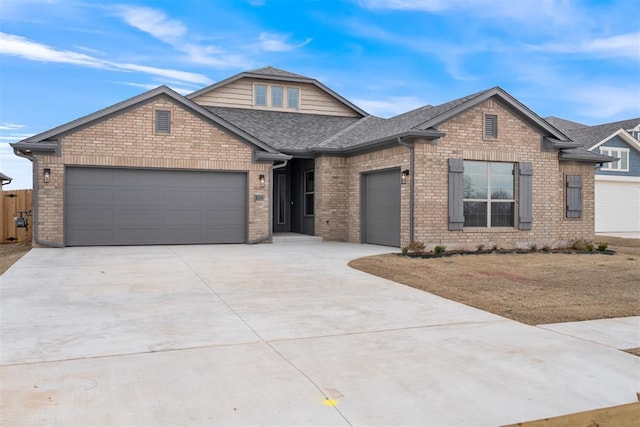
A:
<point x="563" y="124"/>
<point x="589" y="136"/>
<point x="272" y="71"/>
<point x="4" y="177"/>
<point x="285" y="131"/>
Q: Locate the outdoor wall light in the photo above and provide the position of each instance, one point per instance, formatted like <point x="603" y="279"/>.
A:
<point x="261" y="181"/>
<point x="405" y="176"/>
<point x="46" y="175"/>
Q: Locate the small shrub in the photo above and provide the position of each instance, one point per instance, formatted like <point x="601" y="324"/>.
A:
<point x="405" y="250"/>
<point x="533" y="247"/>
<point x="494" y="248"/>
<point x="602" y="246"/>
<point x="590" y="247"/>
<point x="546" y="248"/>
<point x="439" y="249"/>
<point x="417" y="247"/>
<point x="480" y="247"/>
<point x="580" y="245"/>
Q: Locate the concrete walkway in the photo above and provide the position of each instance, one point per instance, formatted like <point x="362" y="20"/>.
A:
<point x="622" y="333"/>
<point x="282" y="334"/>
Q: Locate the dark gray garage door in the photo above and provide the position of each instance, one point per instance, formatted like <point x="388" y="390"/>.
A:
<point x="381" y="208"/>
<point x="145" y="207"/>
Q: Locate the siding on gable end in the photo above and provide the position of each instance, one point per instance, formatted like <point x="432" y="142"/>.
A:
<point x="634" y="158"/>
<point x="239" y="94"/>
<point x="574" y="196"/>
<point x="525" y="195"/>
<point x="456" y="194"/>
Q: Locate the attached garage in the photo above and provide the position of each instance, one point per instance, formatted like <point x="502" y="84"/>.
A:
<point x="381" y="208"/>
<point x="617" y="206"/>
<point x="115" y="206"/>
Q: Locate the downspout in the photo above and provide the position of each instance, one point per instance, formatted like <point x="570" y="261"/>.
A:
<point x="34" y="160"/>
<point x="411" y="186"/>
<point x="270" y="235"/>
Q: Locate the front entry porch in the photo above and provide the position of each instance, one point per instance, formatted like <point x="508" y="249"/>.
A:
<point x="294" y="197"/>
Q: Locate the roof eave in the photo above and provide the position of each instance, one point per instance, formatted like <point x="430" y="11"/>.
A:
<point x="264" y="156"/>
<point x="37" y="147"/>
<point x="430" y="135"/>
<point x="558" y="143"/>
<point x="585" y="158"/>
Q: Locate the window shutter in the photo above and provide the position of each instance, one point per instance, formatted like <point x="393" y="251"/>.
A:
<point x="574" y="196"/>
<point x="163" y="121"/>
<point x="525" y="195"/>
<point x="456" y="187"/>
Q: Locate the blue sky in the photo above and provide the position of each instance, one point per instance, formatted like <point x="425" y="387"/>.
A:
<point x="63" y="59"/>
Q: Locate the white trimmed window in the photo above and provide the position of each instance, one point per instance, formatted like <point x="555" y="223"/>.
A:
<point x="260" y="95"/>
<point x="293" y="97"/>
<point x="274" y="96"/>
<point x="621" y="165"/>
<point x="489" y="194"/>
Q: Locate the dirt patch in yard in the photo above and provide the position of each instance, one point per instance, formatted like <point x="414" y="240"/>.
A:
<point x="10" y="253"/>
<point x="534" y="288"/>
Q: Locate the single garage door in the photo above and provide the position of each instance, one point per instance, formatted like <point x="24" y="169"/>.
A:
<point x="617" y="206"/>
<point x="381" y="208"/>
<point x="105" y="206"/>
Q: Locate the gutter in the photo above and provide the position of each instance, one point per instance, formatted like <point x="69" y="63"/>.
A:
<point x="411" y="185"/>
<point x="32" y="159"/>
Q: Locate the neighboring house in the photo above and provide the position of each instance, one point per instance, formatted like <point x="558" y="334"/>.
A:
<point x="4" y="179"/>
<point x="272" y="151"/>
<point x="617" y="190"/>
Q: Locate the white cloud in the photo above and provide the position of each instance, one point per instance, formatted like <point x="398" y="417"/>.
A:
<point x="24" y="48"/>
<point x="153" y="22"/>
<point x="621" y="46"/>
<point x="10" y="126"/>
<point x="271" y="42"/>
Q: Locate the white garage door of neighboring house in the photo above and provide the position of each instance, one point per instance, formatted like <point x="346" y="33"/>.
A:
<point x="617" y="206"/>
<point x="109" y="206"/>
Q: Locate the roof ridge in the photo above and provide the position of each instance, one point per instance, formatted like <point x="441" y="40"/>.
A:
<point x="273" y="71"/>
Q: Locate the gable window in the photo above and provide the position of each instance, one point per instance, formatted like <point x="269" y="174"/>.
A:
<point x="309" y="191"/>
<point x="488" y="192"/>
<point x="276" y="96"/>
<point x="163" y="121"/>
<point x="293" y="95"/>
<point x="260" y="94"/>
<point x="621" y="165"/>
<point x="490" y="126"/>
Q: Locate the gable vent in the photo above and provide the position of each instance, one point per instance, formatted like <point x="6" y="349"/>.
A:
<point x="490" y="126"/>
<point x="163" y="121"/>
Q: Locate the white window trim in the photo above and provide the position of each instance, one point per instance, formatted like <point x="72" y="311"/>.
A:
<point x="269" y="97"/>
<point x="488" y="200"/>
<point x="613" y="152"/>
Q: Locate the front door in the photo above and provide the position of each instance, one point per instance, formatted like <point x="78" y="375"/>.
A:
<point x="281" y="202"/>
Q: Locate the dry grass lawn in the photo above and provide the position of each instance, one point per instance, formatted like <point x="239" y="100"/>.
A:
<point x="532" y="288"/>
<point x="10" y="253"/>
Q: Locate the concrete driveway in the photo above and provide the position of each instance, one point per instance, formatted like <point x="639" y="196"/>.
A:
<point x="282" y="334"/>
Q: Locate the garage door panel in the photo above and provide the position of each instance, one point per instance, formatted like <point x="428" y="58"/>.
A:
<point x="154" y="207"/>
<point x="381" y="208"/>
<point x="617" y="206"/>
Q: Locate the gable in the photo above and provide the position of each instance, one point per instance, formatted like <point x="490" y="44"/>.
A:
<point x="240" y="94"/>
<point x="132" y="133"/>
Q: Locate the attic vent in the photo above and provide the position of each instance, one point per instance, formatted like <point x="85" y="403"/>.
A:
<point x="490" y="126"/>
<point x="163" y="121"/>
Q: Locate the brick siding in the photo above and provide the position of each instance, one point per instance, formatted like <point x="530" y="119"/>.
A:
<point x="128" y="139"/>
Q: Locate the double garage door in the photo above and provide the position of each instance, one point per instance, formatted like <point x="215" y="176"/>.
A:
<point x="105" y="206"/>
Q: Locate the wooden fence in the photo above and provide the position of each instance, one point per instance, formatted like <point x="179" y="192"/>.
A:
<point x="11" y="204"/>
